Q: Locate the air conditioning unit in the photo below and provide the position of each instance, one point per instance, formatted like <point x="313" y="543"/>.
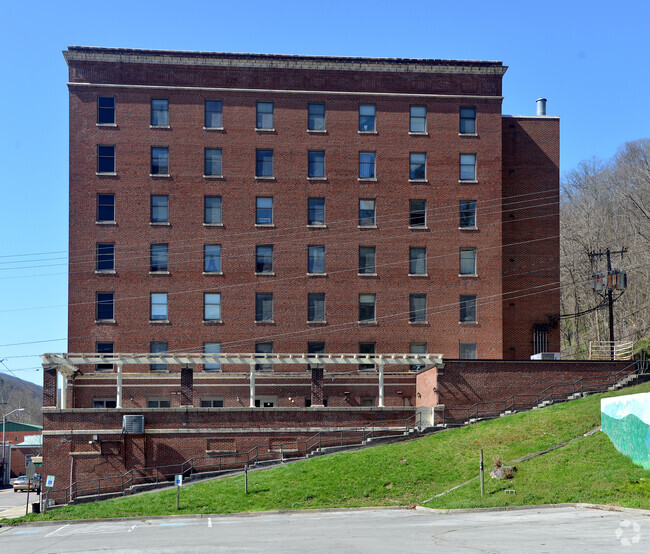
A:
<point x="547" y="356"/>
<point x="133" y="424"/>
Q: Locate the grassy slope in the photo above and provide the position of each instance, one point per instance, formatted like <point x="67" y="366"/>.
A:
<point x="590" y="470"/>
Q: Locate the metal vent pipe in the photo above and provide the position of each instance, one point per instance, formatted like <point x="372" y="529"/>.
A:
<point x="541" y="106"/>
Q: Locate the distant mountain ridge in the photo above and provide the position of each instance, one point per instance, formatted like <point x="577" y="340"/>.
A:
<point x="16" y="393"/>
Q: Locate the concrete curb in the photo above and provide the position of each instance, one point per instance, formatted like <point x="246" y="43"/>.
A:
<point x="604" y="507"/>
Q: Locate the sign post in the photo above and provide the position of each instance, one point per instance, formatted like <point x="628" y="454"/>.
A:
<point x="179" y="483"/>
<point x="49" y="483"/>
<point x="30" y="472"/>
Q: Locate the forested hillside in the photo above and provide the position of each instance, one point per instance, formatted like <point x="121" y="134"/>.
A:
<point x="606" y="205"/>
<point x="16" y="393"/>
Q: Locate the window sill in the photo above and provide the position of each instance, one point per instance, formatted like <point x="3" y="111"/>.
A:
<point x="470" y="275"/>
<point x="160" y="175"/>
<point x="265" y="130"/>
<point x="418" y="227"/>
<point x="267" y="273"/>
<point x="368" y="132"/>
<point x="317" y="131"/>
<point x="317" y="226"/>
<point x="468" y="134"/>
<point x="317" y="178"/>
<point x="159" y="273"/>
<point x="106" y="321"/>
<point x="264" y="178"/>
<point x="367" y="179"/>
<point x="269" y="322"/>
<point x="217" y="177"/>
<point x="106" y="125"/>
<point x="468" y="228"/>
<point x="213" y="225"/>
<point x="159" y="321"/>
<point x="106" y="174"/>
<point x="213" y="273"/>
<point x="159" y="127"/>
<point x="418" y="134"/>
<point x="468" y="181"/>
<point x="212" y="321"/>
<point x="423" y="275"/>
<point x="468" y="322"/>
<point x="105" y="272"/>
<point x="366" y="275"/>
<point x="160" y="223"/>
<point x="316" y="274"/>
<point x="373" y="322"/>
<point x="267" y="225"/>
<point x="317" y="322"/>
<point x="105" y="222"/>
<point x="419" y="323"/>
<point x="367" y="227"/>
<point x="213" y="129"/>
<point x="416" y="181"/>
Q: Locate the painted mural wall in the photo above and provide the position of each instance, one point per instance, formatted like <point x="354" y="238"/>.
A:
<point x="626" y="421"/>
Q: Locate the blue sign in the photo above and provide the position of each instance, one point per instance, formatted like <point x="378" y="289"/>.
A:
<point x="179" y="480"/>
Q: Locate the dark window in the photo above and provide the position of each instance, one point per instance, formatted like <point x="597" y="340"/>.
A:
<point x="468" y="213"/>
<point x="468" y="120"/>
<point x="213" y="114"/>
<point x="264" y="163"/>
<point x="367" y="307"/>
<point x="158" y="402"/>
<point x="264" y="258"/>
<point x="367" y="260"/>
<point x="105" y="158"/>
<point x="104" y="348"/>
<point x="105" y="256"/>
<point x="212" y="258"/>
<point x="159" y="257"/>
<point x="263" y="210"/>
<point x="367" y="212"/>
<point x="367" y="348"/>
<point x="417" y="348"/>
<point x="316" y="306"/>
<point x="468" y="261"/>
<point x="417" y="260"/>
<point x="159" y="208"/>
<point x="316" y="211"/>
<point x="366" y="165"/>
<point x="159" y="160"/>
<point x="212" y="348"/>
<point x="263" y="348"/>
<point x="418" y="119"/>
<point x="106" y="110"/>
<point x="212" y="210"/>
<point x="158" y="306"/>
<point x="159" y="112"/>
<point x="367" y="401"/>
<point x="367" y="117"/>
<point x="264" y="115"/>
<point x="316" y="347"/>
<point x="103" y="403"/>
<point x="417" y="308"/>
<point x="212" y="402"/>
<point x="105" y="306"/>
<point x="212" y="160"/>
<point x="158" y="348"/>
<point x="467" y="350"/>
<point x="467" y="307"/>
<point x="212" y="306"/>
<point x="316" y="165"/>
<point x="418" y="166"/>
<point x="417" y="213"/>
<point x="316" y="259"/>
<point x="468" y="167"/>
<point x="105" y="207"/>
<point x="264" y="306"/>
<point x="316" y="117"/>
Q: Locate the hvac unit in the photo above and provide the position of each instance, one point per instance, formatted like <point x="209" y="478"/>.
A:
<point x="133" y="424"/>
<point x="547" y="356"/>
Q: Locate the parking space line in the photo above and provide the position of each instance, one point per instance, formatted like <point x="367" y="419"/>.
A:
<point x="209" y="522"/>
<point x="57" y="530"/>
<point x="174" y="523"/>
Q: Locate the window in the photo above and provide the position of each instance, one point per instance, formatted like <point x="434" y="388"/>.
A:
<point x="417" y="260"/>
<point x="105" y="158"/>
<point x="103" y="403"/>
<point x="158" y="306"/>
<point x="316" y="259"/>
<point x="316" y="211"/>
<point x="264" y="163"/>
<point x="159" y="112"/>
<point x="367" y="307"/>
<point x="417" y="348"/>
<point x="105" y="306"/>
<point x="418" y="166"/>
<point x="159" y="258"/>
<point x="367" y="212"/>
<point x="264" y="258"/>
<point x="212" y="348"/>
<point x="367" y="401"/>
<point x="417" y="308"/>
<point x="264" y="210"/>
<point x="211" y="402"/>
<point x="213" y="114"/>
<point x="316" y="117"/>
<point x="212" y="162"/>
<point x="367" y="117"/>
<point x="467" y="120"/>
<point x="316" y="307"/>
<point x="367" y="348"/>
<point x="106" y="208"/>
<point x="467" y="308"/>
<point x="105" y="256"/>
<point x="212" y="258"/>
<point x="366" y="165"/>
<point x="315" y="348"/>
<point x="468" y="167"/>
<point x="158" y="403"/>
<point x="467" y="350"/>
<point x="159" y="208"/>
<point x="264" y="115"/>
<point x="467" y="214"/>
<point x="418" y="119"/>
<point x="316" y="165"/>
<point x="158" y="348"/>
<point x="264" y="306"/>
<point x="104" y="348"/>
<point x="367" y="260"/>
<point x="106" y="110"/>
<point x="468" y="261"/>
<point x="266" y="401"/>
<point x="159" y="160"/>
<point x="212" y="306"/>
<point x="263" y="348"/>
<point x="417" y="213"/>
<point x="212" y="210"/>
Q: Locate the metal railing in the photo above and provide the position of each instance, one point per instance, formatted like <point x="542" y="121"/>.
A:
<point x="604" y="350"/>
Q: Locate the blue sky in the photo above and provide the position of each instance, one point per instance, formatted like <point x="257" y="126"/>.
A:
<point x="587" y="58"/>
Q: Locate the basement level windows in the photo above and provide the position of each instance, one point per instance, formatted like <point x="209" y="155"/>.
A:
<point x="211" y="402"/>
<point x="103" y="403"/>
<point x="159" y="403"/>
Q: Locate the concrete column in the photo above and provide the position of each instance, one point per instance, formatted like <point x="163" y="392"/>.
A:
<point x="316" y="386"/>
<point x="64" y="392"/>
<point x="252" y="387"/>
<point x="119" y="395"/>
<point x="49" y="386"/>
<point x="187" y="385"/>
<point x="380" y="366"/>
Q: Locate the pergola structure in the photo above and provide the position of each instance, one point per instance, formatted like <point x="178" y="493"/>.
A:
<point x="66" y="364"/>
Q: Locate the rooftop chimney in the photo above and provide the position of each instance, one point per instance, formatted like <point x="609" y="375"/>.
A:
<point x="541" y="106"/>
